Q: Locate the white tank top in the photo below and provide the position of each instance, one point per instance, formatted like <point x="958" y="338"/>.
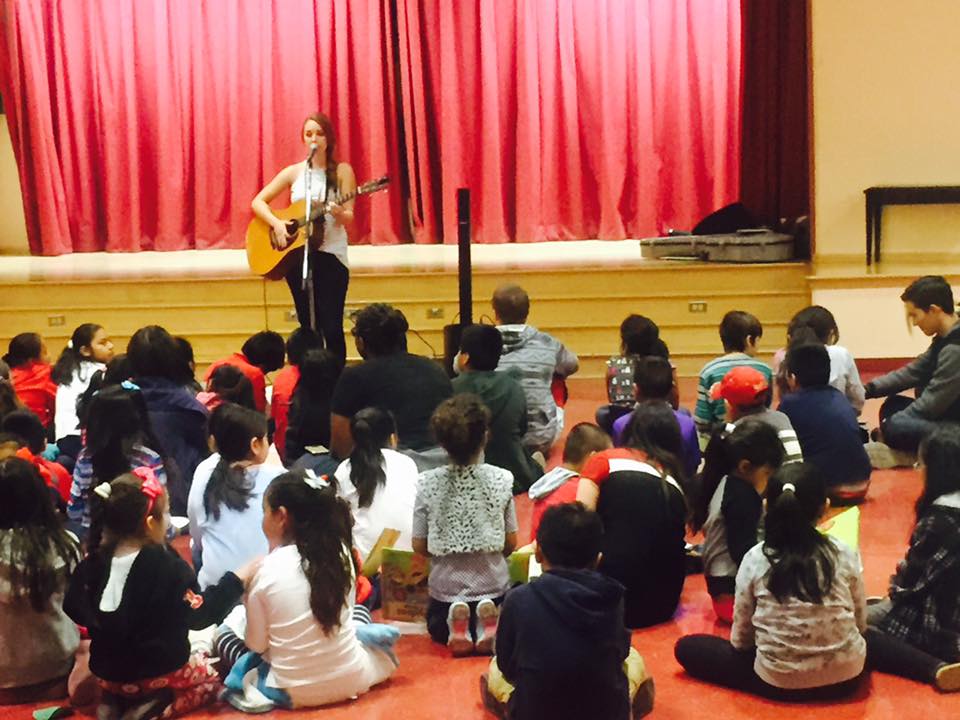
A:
<point x="334" y="234"/>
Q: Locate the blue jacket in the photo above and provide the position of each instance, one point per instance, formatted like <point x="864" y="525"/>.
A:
<point x="561" y="642"/>
<point x="179" y="424"/>
<point x="826" y="426"/>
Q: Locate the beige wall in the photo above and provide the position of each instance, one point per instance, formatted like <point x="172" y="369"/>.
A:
<point x="13" y="231"/>
<point x="886" y="111"/>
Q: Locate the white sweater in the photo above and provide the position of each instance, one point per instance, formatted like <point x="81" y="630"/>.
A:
<point x="392" y="505"/>
<point x="800" y="644"/>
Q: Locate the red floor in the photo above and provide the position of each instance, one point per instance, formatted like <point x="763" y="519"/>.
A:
<point x="430" y="684"/>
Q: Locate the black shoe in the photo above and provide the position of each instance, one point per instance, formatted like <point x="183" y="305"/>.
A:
<point x="148" y="707"/>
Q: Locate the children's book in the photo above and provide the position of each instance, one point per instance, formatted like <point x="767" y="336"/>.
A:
<point x="403" y="585"/>
<point x="371" y="566"/>
<point x="844" y="526"/>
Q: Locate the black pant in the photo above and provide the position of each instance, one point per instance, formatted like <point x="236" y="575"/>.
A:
<point x="437" y="612"/>
<point x="890" y="654"/>
<point x="330" y="281"/>
<point x="608" y="414"/>
<point x="900" y="431"/>
<point x="715" y="660"/>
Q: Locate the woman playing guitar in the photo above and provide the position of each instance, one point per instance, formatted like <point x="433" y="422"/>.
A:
<point x="328" y="246"/>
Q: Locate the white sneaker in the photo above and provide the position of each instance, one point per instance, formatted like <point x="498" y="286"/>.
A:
<point x="458" y="623"/>
<point x="488" y="615"/>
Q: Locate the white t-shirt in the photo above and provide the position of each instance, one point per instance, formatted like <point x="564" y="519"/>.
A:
<point x="237" y="536"/>
<point x="314" y="668"/>
<point x="801" y="644"/>
<point x="392" y="505"/>
<point x="65" y="418"/>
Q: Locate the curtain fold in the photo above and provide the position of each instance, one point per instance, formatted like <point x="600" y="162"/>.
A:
<point x="151" y="125"/>
<point x="570" y="118"/>
<point x="148" y="125"/>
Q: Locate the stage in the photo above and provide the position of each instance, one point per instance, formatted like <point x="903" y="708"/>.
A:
<point x="580" y="292"/>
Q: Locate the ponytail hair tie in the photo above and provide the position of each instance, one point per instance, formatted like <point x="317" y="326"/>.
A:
<point x="317" y="483"/>
<point x="103" y="490"/>
<point x="788" y="487"/>
<point x="149" y="486"/>
<point x="130" y="386"/>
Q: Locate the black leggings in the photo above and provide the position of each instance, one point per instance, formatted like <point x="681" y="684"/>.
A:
<point x="715" y="660"/>
<point x="892" y="655"/>
<point x="330" y="281"/>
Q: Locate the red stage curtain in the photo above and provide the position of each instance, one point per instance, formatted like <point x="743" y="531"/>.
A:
<point x="570" y="118"/>
<point x="151" y="125"/>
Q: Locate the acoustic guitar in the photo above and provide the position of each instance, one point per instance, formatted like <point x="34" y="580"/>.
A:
<point x="264" y="259"/>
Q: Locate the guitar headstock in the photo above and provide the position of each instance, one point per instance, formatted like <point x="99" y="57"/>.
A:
<point x="379" y="183"/>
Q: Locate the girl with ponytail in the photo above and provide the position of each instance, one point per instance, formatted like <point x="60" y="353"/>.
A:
<point x="730" y="503"/>
<point x="800" y="609"/>
<point x="225" y="505"/>
<point x="379" y="483"/>
<point x="88" y="350"/>
<point x="300" y="606"/>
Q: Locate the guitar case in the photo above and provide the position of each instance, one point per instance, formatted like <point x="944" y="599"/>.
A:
<point x="743" y="246"/>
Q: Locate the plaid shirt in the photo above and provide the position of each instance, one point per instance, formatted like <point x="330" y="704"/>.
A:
<point x="925" y="591"/>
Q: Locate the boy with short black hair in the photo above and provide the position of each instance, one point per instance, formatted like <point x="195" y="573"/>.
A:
<point x="929" y="304"/>
<point x="740" y="333"/>
<point x="825" y="424"/>
<point x="654" y="381"/>
<point x="534" y="359"/>
<point x="480" y="348"/>
<point x="559" y="486"/>
<point x="262" y="353"/>
<point x="562" y="649"/>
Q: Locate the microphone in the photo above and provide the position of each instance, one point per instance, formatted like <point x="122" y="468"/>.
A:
<point x="313" y="151"/>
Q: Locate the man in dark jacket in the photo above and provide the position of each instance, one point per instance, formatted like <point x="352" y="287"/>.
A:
<point x="561" y="641"/>
<point x="934" y="375"/>
<point x="480" y="349"/>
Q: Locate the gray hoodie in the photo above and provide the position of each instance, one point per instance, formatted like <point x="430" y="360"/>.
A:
<point x="533" y="358"/>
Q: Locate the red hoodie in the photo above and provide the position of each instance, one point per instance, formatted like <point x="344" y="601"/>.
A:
<point x="34" y="387"/>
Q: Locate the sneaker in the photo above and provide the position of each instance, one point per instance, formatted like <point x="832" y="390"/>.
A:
<point x="110" y="707"/>
<point x="488" y="614"/>
<point x="883" y="457"/>
<point x="458" y="622"/>
<point x="948" y="677"/>
<point x="149" y="707"/>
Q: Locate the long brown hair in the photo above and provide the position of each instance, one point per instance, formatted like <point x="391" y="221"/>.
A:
<point x="331" y="165"/>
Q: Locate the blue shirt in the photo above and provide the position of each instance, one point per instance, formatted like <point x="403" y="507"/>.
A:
<point x="826" y="425"/>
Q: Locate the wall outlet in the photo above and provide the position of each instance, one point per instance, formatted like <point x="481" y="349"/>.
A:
<point x="434" y="313"/>
<point x="697" y="306"/>
<point x="290" y="316"/>
<point x="56" y="320"/>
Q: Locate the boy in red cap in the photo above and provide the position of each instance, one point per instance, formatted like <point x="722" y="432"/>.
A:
<point x="746" y="392"/>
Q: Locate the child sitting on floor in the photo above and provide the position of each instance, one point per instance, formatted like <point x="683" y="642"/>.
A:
<point x="118" y="438"/>
<point x="262" y="353"/>
<point x="559" y="486"/>
<point x="225" y="505"/>
<point x="637" y="491"/>
<point x="825" y="424"/>
<point x="36" y="558"/>
<point x="379" y="483"/>
<point x="740" y="334"/>
<point x="138" y="600"/>
<point x="639" y="337"/>
<point x="562" y="649"/>
<point x="799" y="610"/>
<point x="465" y="521"/>
<point x="30" y="374"/>
<point x="730" y="504"/>
<point x="915" y="631"/>
<point x="300" y="612"/>
<point x="654" y="380"/>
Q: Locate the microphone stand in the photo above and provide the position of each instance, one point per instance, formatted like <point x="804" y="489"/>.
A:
<point x="307" y="279"/>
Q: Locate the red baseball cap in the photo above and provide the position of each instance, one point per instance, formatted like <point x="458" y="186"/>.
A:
<point x="741" y="386"/>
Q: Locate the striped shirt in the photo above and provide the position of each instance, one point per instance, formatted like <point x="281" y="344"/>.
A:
<point x="84" y="480"/>
<point x="709" y="413"/>
<point x="792" y="451"/>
